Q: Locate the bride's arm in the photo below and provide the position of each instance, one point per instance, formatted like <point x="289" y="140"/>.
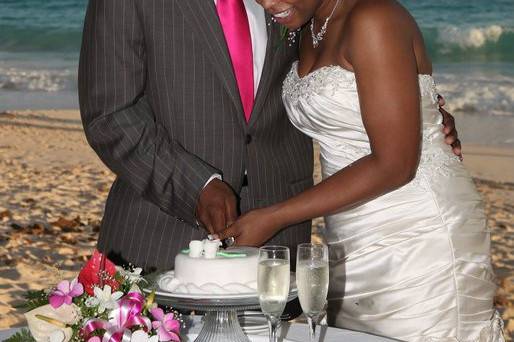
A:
<point x="387" y="78"/>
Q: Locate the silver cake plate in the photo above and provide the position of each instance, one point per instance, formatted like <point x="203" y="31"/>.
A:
<point x="220" y="323"/>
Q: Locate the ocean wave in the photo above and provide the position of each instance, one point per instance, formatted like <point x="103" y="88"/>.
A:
<point x="474" y="37"/>
<point x="39" y="39"/>
<point x="478" y="94"/>
<point x="457" y="44"/>
<point x="14" y="79"/>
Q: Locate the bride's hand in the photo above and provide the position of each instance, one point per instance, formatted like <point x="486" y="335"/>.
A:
<point x="449" y="129"/>
<point x="253" y="228"/>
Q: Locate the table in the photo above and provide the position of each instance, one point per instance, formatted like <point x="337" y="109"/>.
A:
<point x="292" y="331"/>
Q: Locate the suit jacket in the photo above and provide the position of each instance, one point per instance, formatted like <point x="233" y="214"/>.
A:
<point x="160" y="106"/>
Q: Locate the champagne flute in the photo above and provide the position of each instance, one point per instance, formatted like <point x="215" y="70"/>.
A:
<point x="312" y="282"/>
<point x="273" y="284"/>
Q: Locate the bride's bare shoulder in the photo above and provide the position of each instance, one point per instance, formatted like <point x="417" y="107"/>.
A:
<point x="380" y="16"/>
<point x="375" y="26"/>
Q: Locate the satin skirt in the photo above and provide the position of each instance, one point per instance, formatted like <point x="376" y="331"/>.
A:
<point x="415" y="264"/>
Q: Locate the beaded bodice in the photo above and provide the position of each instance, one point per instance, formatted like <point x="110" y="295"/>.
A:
<point x="325" y="105"/>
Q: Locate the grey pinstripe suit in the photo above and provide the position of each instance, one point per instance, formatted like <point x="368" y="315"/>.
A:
<point x="160" y="106"/>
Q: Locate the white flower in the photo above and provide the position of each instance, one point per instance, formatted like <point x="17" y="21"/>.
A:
<point x="105" y="299"/>
<point x="91" y="302"/>
<point x="58" y="330"/>
<point x="58" y="336"/>
<point x="142" y="336"/>
<point x="133" y="277"/>
<point x="135" y="288"/>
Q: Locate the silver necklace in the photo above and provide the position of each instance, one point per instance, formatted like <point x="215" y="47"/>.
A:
<point x="318" y="37"/>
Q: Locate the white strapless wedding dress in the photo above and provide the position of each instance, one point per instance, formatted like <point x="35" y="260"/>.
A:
<point x="413" y="264"/>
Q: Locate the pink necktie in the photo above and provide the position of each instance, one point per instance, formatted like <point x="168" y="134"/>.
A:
<point x="235" y="25"/>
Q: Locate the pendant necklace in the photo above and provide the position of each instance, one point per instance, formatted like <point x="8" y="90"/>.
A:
<point x="318" y="37"/>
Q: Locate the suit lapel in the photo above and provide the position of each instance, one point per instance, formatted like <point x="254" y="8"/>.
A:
<point x="203" y="19"/>
<point x="267" y="70"/>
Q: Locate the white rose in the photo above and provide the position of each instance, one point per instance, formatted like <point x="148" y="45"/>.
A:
<point x="44" y="331"/>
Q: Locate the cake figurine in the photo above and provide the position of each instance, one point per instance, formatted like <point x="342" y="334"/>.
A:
<point x="195" y="249"/>
<point x="210" y="248"/>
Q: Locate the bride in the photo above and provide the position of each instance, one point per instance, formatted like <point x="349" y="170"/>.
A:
<point x="409" y="247"/>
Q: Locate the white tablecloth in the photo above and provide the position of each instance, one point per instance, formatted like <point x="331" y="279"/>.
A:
<point x="291" y="331"/>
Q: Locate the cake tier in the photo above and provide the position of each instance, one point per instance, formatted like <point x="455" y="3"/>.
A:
<point x="220" y="275"/>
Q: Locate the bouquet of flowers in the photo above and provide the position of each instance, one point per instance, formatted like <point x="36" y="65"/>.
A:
<point x="103" y="304"/>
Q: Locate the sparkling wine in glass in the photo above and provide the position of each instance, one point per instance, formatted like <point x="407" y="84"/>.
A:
<point x="273" y="284"/>
<point x="312" y="282"/>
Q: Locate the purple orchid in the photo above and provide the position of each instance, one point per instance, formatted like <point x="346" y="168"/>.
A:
<point x="167" y="326"/>
<point x="65" y="292"/>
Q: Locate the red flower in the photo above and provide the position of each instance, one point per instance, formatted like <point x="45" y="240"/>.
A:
<point x="90" y="275"/>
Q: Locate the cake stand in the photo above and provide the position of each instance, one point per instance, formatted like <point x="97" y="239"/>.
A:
<point x="220" y="322"/>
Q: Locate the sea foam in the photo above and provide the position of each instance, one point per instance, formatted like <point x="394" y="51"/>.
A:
<point x="15" y="79"/>
<point x="477" y="92"/>
<point x="472" y="37"/>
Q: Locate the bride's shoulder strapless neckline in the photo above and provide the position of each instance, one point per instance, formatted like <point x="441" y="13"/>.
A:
<point x="335" y="67"/>
<point x="325" y="68"/>
<point x="295" y="85"/>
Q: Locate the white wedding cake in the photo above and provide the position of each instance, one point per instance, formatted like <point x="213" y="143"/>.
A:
<point x="204" y="269"/>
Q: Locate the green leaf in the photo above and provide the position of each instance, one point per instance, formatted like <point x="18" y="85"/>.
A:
<point x="21" y="336"/>
<point x="34" y="299"/>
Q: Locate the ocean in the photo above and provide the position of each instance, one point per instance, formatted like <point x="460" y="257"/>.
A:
<point x="471" y="43"/>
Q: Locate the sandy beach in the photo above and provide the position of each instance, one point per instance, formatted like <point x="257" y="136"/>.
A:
<point x="53" y="188"/>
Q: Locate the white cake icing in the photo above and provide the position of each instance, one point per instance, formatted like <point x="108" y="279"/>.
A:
<point x="204" y="274"/>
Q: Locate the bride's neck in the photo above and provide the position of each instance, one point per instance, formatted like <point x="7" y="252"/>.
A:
<point x="324" y="9"/>
<point x="327" y="6"/>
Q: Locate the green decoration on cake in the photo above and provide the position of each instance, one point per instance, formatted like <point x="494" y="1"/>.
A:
<point x="224" y="254"/>
<point x="231" y="254"/>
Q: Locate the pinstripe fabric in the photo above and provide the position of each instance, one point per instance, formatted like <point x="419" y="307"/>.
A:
<point x="160" y="106"/>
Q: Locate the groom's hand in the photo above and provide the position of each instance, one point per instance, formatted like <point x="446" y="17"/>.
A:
<point x="217" y="206"/>
<point x="254" y="228"/>
<point x="449" y="130"/>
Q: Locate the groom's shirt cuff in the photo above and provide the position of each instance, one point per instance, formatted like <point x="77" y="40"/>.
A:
<point x="214" y="176"/>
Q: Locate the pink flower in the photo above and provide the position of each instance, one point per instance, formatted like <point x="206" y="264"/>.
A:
<point x="168" y="328"/>
<point x="65" y="292"/>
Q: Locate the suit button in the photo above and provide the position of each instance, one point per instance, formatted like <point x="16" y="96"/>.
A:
<point x="248" y="139"/>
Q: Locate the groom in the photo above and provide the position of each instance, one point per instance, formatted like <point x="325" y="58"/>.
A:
<point x="181" y="99"/>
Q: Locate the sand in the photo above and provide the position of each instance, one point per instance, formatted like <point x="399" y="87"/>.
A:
<point x="53" y="188"/>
